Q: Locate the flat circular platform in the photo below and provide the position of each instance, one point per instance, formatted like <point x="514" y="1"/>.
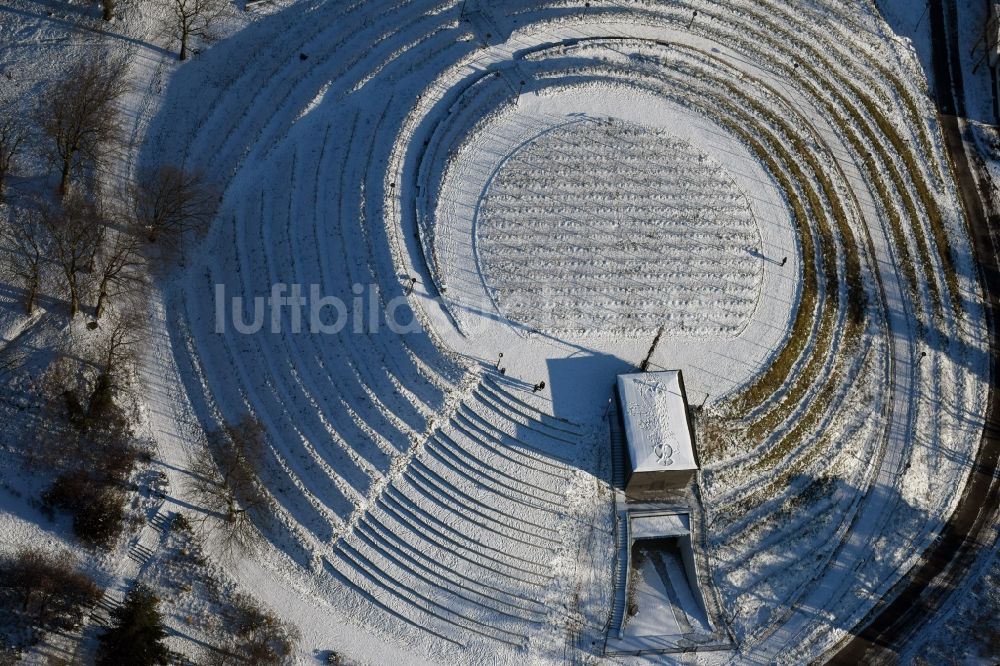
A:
<point x="607" y="226"/>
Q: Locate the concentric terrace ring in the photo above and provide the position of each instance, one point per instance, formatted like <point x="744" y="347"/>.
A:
<point x="437" y="504"/>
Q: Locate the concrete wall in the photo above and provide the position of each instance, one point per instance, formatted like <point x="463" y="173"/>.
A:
<point x="656" y="485"/>
<point x="691" y="570"/>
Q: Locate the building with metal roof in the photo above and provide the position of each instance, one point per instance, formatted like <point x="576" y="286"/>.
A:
<point x="660" y="440"/>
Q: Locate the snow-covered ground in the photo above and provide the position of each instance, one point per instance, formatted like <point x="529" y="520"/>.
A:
<point x="558" y="182"/>
<point x="604" y="240"/>
<point x="605" y="282"/>
<point x="663" y="598"/>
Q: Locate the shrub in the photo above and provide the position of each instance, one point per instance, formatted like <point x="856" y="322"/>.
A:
<point x="98" y="509"/>
<point x="88" y="442"/>
<point x="180" y="524"/>
<point x="9" y="656"/>
<point x="100" y="520"/>
<point x="258" y="638"/>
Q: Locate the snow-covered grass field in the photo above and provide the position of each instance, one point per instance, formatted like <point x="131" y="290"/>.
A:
<point x="761" y="187"/>
<point x="552" y="254"/>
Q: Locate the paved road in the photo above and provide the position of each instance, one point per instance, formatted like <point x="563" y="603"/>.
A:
<point x="922" y="592"/>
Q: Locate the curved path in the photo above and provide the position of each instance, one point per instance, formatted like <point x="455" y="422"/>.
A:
<point x="444" y="509"/>
<point x="805" y="622"/>
<point x="971" y="530"/>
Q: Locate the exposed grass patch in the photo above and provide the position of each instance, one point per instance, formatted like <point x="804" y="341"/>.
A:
<point x="768" y="384"/>
<point x="802" y="430"/>
<point x="803" y="54"/>
<point x="776" y="375"/>
<point x="899" y="146"/>
<point x="849" y="127"/>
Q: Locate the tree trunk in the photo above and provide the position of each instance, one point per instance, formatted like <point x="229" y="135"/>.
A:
<point x="184" y="45"/>
<point x="74" y="300"/>
<point x="102" y="297"/>
<point x="107" y="6"/>
<point x="64" y="181"/>
<point x="32" y="296"/>
<point x="43" y="610"/>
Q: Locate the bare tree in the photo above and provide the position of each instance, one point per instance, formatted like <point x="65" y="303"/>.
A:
<point x="90" y="410"/>
<point x="46" y="591"/>
<point x="193" y="18"/>
<point x="225" y="479"/>
<point x="87" y="436"/>
<point x="171" y="202"/>
<point x="79" y="114"/>
<point x="77" y="230"/>
<point x="255" y="636"/>
<point x="31" y="244"/>
<point x="107" y="9"/>
<point x="119" y="268"/>
<point x="124" y="338"/>
<point x="13" y="134"/>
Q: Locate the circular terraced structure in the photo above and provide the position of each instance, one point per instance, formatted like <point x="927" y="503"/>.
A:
<point x="764" y="186"/>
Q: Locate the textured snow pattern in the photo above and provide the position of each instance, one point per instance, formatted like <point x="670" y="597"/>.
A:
<point x="609" y="226"/>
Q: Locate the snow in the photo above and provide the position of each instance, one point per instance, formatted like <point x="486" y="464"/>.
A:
<point x="666" y="605"/>
<point x="656" y="423"/>
<point x="744" y="311"/>
<point x="430" y="509"/>
<point x="554" y="240"/>
<point x="659" y="525"/>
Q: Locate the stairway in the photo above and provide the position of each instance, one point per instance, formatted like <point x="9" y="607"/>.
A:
<point x="619" y="456"/>
<point x="622" y="565"/>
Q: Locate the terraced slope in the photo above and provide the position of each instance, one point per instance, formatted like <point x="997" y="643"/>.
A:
<point x="438" y="506"/>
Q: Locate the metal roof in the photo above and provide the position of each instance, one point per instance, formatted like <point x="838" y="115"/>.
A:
<point x="656" y="426"/>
